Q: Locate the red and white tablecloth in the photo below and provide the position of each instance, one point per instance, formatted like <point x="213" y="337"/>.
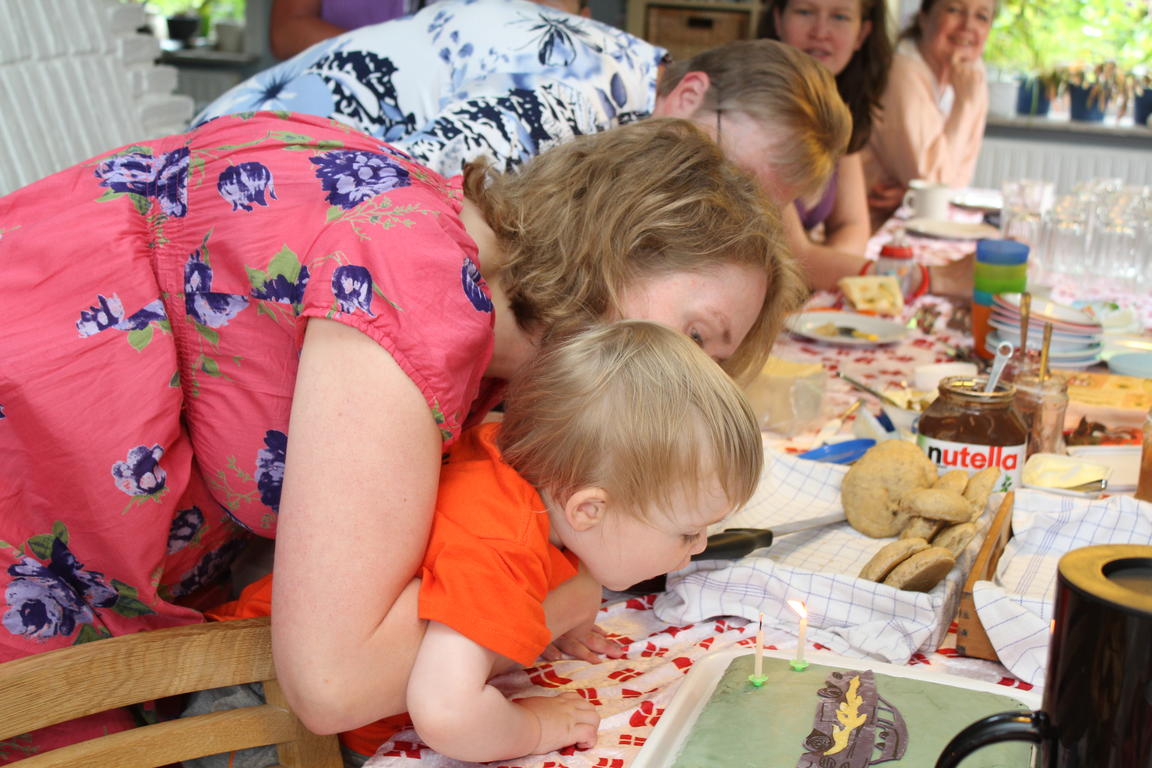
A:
<point x="631" y="693"/>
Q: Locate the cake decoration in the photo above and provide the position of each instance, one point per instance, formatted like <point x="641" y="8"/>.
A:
<point x="854" y="723"/>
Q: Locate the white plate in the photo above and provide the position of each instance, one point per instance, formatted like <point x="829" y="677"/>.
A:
<point x="1123" y="459"/>
<point x="1063" y="342"/>
<point x="667" y="739"/>
<point x="810" y="324"/>
<point x="979" y="200"/>
<point x="950" y="230"/>
<point x="1045" y="309"/>
<point x="1138" y="364"/>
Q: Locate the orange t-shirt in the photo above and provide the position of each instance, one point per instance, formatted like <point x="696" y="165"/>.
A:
<point x="488" y="567"/>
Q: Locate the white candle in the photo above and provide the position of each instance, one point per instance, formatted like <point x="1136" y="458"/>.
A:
<point x="759" y="663"/>
<point x="798" y="606"/>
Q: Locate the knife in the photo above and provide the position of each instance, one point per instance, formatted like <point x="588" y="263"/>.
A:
<point x="735" y="543"/>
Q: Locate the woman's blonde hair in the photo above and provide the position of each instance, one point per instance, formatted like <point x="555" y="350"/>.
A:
<point x="637" y="409"/>
<point x="582" y="221"/>
<point x="786" y="91"/>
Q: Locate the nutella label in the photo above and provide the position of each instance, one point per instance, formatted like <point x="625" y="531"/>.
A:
<point x="972" y="458"/>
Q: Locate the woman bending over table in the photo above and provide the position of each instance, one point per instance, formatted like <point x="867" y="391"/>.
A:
<point x="935" y="105"/>
<point x="850" y="38"/>
<point x="187" y="300"/>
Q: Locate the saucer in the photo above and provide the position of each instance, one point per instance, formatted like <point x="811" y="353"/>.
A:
<point x="950" y="230"/>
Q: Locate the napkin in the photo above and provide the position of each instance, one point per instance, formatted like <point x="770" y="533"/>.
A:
<point x="848" y="615"/>
<point x="1016" y="609"/>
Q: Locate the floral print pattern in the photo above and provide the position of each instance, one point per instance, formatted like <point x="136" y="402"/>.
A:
<point x="108" y="312"/>
<point x="352" y="287"/>
<point x="270" y="468"/>
<point x="474" y="286"/>
<point x="350" y="178"/>
<point x="140" y="474"/>
<point x="244" y="184"/>
<point x="213" y="310"/>
<point x="49" y="600"/>
<point x="460" y="79"/>
<point x="163" y="177"/>
<point x="185" y="526"/>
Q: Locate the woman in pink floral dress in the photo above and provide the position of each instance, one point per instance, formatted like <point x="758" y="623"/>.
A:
<point x="166" y="309"/>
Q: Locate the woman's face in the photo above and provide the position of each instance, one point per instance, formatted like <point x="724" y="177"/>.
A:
<point x="829" y="31"/>
<point x="716" y="308"/>
<point x="955" y="31"/>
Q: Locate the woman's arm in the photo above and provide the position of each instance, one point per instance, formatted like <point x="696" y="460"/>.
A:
<point x="294" y="25"/>
<point x="847" y="227"/>
<point x="360" y="484"/>
<point x="913" y="140"/>
<point x="458" y="714"/>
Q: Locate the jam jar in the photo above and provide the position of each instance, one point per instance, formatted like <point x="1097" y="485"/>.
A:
<point x="970" y="429"/>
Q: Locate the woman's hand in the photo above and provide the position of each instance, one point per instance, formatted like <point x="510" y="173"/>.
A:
<point x="886" y="196"/>
<point x="969" y="79"/>
<point x="585" y="643"/>
<point x="565" y="720"/>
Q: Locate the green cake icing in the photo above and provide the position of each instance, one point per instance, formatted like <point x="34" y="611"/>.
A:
<point x="838" y="717"/>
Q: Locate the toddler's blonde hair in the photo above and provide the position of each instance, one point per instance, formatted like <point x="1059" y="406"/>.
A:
<point x="637" y="409"/>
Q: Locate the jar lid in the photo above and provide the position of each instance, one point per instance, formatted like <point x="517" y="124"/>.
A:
<point x="971" y="389"/>
<point x="1002" y="252"/>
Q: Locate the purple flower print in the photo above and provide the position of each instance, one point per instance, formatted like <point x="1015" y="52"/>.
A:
<point x="214" y="310"/>
<point x="108" y="312"/>
<point x="141" y="474"/>
<point x="474" y="284"/>
<point x="184" y="526"/>
<point x="350" y="177"/>
<point x="209" y="569"/>
<point x="352" y="287"/>
<point x="280" y="288"/>
<point x="46" y="601"/>
<point x="164" y="177"/>
<point x="245" y="184"/>
<point x="270" y="468"/>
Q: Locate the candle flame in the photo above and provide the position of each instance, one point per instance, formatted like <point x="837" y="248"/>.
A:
<point x="798" y="606"/>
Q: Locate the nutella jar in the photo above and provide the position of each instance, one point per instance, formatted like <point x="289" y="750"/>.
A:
<point x="970" y="429"/>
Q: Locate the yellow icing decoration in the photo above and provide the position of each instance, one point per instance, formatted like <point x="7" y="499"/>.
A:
<point x="849" y="715"/>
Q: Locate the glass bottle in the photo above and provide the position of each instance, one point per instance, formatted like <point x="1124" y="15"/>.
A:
<point x="1144" y="485"/>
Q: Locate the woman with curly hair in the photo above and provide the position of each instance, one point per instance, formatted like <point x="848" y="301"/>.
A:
<point x="273" y="326"/>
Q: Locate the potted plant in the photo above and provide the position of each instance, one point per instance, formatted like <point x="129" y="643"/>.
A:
<point x="1092" y="88"/>
<point x="1022" y="41"/>
<point x="1142" y="98"/>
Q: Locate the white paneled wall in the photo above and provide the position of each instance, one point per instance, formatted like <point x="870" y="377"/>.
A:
<point x="1062" y="163"/>
<point x="77" y="80"/>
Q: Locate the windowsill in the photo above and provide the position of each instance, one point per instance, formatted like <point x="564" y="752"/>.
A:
<point x="1060" y="123"/>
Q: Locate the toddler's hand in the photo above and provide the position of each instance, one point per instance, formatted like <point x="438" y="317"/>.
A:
<point x="565" y="719"/>
<point x="586" y="643"/>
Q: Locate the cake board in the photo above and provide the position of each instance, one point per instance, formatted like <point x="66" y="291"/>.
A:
<point x="676" y="725"/>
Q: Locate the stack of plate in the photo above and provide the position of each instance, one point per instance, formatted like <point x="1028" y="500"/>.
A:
<point x="1077" y="337"/>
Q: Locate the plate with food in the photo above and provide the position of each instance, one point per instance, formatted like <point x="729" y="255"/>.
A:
<point x="845" y="328"/>
<point x="950" y="230"/>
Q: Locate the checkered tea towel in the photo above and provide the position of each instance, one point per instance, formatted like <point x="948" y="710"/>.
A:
<point x="846" y="614"/>
<point x="1016" y="609"/>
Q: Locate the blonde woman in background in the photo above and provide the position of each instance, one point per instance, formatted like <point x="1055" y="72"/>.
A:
<point x="935" y="106"/>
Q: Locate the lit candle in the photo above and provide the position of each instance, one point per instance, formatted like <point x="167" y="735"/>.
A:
<point x="757" y="678"/>
<point x="799" y="663"/>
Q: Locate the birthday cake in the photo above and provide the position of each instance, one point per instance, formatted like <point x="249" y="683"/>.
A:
<point x="832" y="717"/>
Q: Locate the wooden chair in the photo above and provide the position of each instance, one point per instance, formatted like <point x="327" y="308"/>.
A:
<point x="52" y="687"/>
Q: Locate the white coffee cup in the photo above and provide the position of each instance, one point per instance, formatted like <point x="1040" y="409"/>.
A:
<point x="928" y="200"/>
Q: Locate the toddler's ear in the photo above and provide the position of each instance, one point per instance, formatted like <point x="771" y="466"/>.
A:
<point x="586" y="508"/>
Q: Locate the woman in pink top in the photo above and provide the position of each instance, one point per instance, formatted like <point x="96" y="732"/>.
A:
<point x="934" y="109"/>
<point x="273" y="326"/>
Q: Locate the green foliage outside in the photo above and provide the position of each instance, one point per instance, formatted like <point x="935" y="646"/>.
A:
<point x="1042" y="37"/>
<point x="210" y="11"/>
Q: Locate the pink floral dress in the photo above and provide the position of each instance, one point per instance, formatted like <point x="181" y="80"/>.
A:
<point x="152" y="307"/>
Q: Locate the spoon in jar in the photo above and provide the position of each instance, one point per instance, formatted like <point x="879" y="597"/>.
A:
<point x="1004" y="352"/>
